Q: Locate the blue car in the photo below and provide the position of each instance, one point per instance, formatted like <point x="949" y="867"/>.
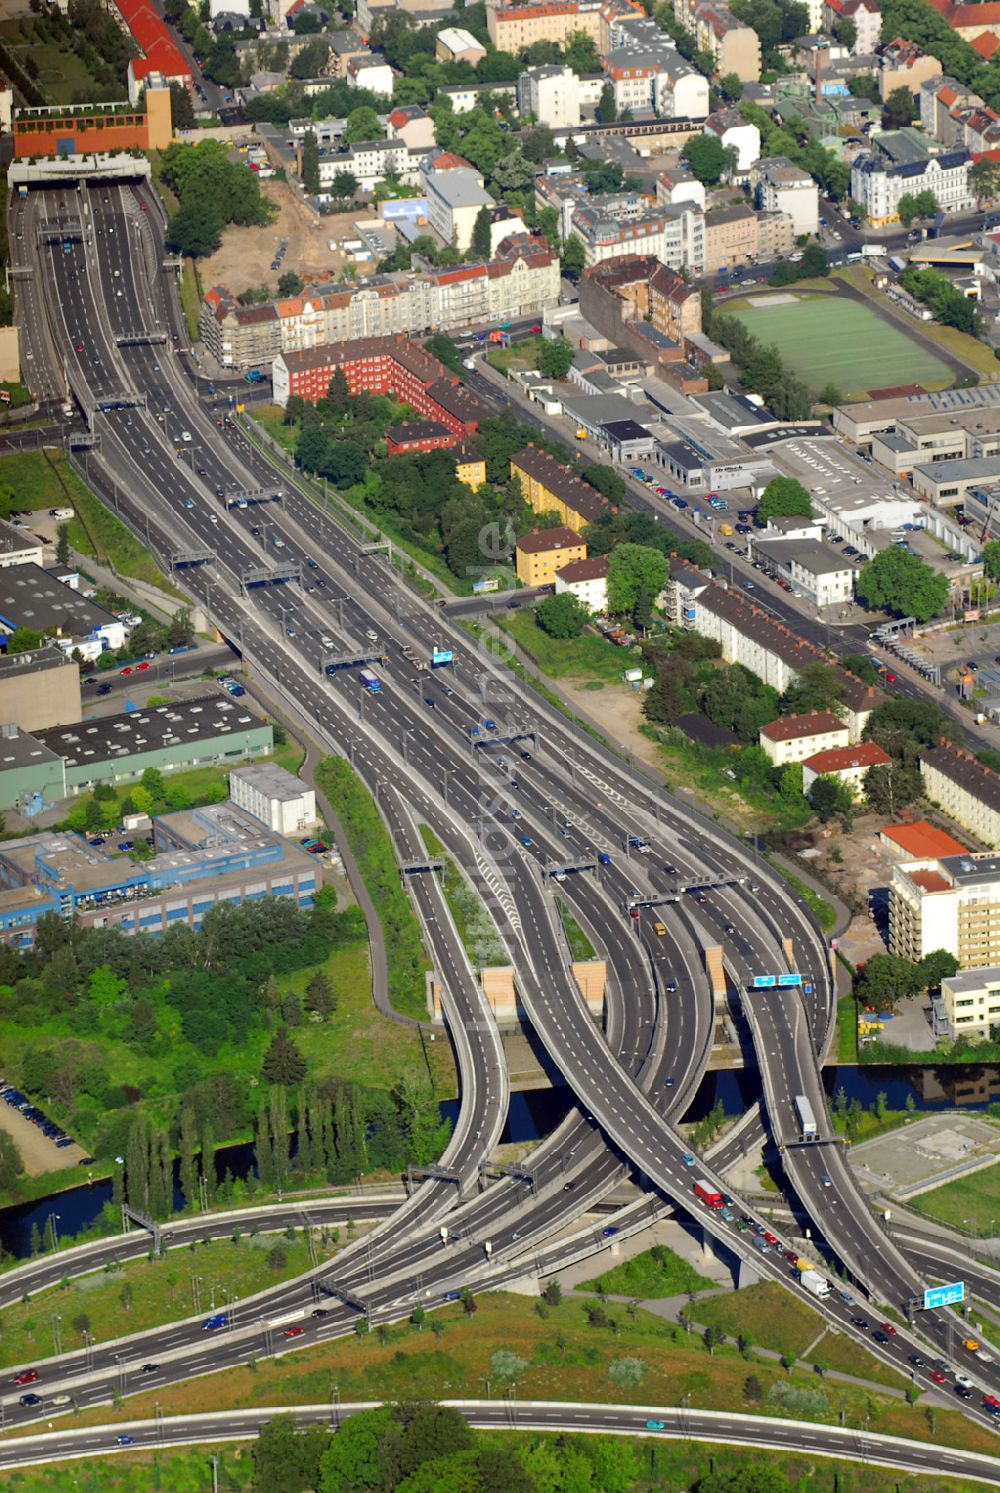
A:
<point x="211" y="1324"/>
<point x="490" y="725"/>
<point x="527" y="840"/>
<point x="688" y="1159"/>
<point x="603" y="858"/>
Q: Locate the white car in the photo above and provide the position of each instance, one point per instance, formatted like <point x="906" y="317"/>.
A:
<point x="963" y="1380"/>
<point x="371" y="635"/>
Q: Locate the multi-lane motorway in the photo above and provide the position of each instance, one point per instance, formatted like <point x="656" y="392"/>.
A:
<point x="510" y="801"/>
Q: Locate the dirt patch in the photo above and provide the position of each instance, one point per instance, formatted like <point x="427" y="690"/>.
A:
<point x="618" y="713"/>
<point x="38" y="1153"/>
<point x="246" y="254"/>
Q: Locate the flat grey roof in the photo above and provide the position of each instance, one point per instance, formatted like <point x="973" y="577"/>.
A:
<point x="458" y="188"/>
<point x="20" y="749"/>
<point x="972" y="979"/>
<point x="34" y="661"/>
<point x="30" y="597"/>
<point x="137" y="731"/>
<point x="965" y="870"/>
<point x="809" y="553"/>
<point x="267" y="777"/>
<point x="961" y="469"/>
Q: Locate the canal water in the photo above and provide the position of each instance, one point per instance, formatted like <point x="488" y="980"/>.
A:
<point x="535" y="1113"/>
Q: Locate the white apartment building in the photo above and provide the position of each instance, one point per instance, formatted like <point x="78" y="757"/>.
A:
<point x="952" y="903"/>
<point x="900" y="165"/>
<point x="793" y="738"/>
<point x="971" y="1001"/>
<point x="965" y="789"/>
<point x="675" y="235"/>
<point x="373" y="73"/>
<point x="729" y="128"/>
<point x="551" y="95"/>
<point x="587" y="580"/>
<point x="454" y="200"/>
<point x="783" y="187"/>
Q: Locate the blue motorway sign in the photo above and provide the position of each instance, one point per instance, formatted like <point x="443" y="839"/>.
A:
<point x="760" y="981"/>
<point x="766" y="982"/>
<point x="944" y="1295"/>
<point x="440" y="657"/>
<point x="789" y="979"/>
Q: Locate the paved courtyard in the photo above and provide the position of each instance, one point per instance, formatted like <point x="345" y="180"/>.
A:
<point x="924" y="1153"/>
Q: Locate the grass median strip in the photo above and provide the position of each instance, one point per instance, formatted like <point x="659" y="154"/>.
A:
<point x="651" y="1276"/>
<point x="406" y="957"/>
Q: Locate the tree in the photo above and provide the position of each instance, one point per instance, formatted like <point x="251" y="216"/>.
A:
<point x="481" y="240"/>
<point x="319" y="995"/>
<point x="731" y="84"/>
<point x="816" y="686"/>
<point x="283" y="1063"/>
<point x="180" y="629"/>
<point x="920" y="205"/>
<point x="287" y="1459"/>
<point x="573" y="257"/>
<point x="886" y="979"/>
<point x="362" y="124"/>
<point x="706" y="157"/>
<point x="830" y="394"/>
<point x="830" y="797"/>
<point x="311" y="62"/>
<point x="607" y="109"/>
<point x="310" y="163"/>
<point x="291" y="283"/>
<point x="784" y="497"/>
<point x="902" y="585"/>
<point x="892" y="787"/>
<point x="344" y="183"/>
<point x="814" y="262"/>
<point x="181" y="107"/>
<point x="937" y="966"/>
<point x="898" y="110"/>
<point x="555" y="357"/>
<point x="984" y="179"/>
<point x="637" y="573"/>
<point x="24" y="639"/>
<point x="562" y="616"/>
<point x="991" y="559"/>
<point x="352" y="1459"/>
<point x="755" y="1478"/>
<point x="195" y="229"/>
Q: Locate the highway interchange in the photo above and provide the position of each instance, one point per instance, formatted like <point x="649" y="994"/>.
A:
<point x="510" y="806"/>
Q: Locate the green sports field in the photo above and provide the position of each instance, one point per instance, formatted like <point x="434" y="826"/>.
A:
<point x="827" y="339"/>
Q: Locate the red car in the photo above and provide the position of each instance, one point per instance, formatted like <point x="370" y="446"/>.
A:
<point x="890" y="678"/>
<point x="888" y="1327"/>
<point x="79" y="347"/>
<point x="127" y="670"/>
<point x="938" y="1377"/>
<point x="143" y="665"/>
<point x="29" y="1376"/>
<point x="533" y="330"/>
<point x="635" y="913"/>
<point x="770" y="1239"/>
<point x="294" y="1331"/>
<point x="143" y="208"/>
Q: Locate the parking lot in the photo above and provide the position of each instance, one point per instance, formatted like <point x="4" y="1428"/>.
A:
<point x="43" y="1145"/>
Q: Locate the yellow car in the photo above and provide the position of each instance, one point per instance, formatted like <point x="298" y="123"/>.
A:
<point x="660" y="930"/>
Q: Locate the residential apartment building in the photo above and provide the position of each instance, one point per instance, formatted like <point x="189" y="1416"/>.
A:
<point x="454" y="201"/>
<point x="733" y="46"/>
<point x="549" y="487"/>
<point x="381" y="365"/>
<point x="950" y="903"/>
<point x="418" y="436"/>
<point x="899" y="165"/>
<point x="678" y="184"/>
<point x="732" y="132"/>
<point x="963" y="789"/>
<point x="730" y="237"/>
<point x="867" y="20"/>
<point x="521" y="280"/>
<point x="970" y="20"/>
<point x="587" y="580"/>
<point x="970" y="1001"/>
<point x="673" y="235"/>
<point x="470" y="467"/>
<point x="775" y="236"/>
<point x="793" y="738"/>
<point x="826" y="578"/>
<point x="514" y="28"/>
<point x="538" y="556"/>
<point x="782" y="187"/>
<point x="649" y="76"/>
<point x="551" y="95"/>
<point x="941" y="100"/>
<point x="903" y="65"/>
<point x="849" y="765"/>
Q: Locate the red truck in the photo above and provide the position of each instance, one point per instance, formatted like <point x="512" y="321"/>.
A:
<point x="707" y="1193"/>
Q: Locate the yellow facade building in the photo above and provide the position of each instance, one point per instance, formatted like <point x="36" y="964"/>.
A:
<point x="538" y="556"/>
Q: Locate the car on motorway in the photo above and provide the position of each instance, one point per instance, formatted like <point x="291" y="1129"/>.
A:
<point x="660" y="929"/>
<point x="294" y="1331"/>
<point x="790" y="1255"/>
<point x="150" y="1368"/>
<point x="79" y="347"/>
<point x="671" y="987"/>
<point x="861" y="1323"/>
<point x="728" y="1215"/>
<point x="127" y="669"/>
<point x="609" y="1232"/>
<point x="489" y="725"/>
<point x="656" y="1425"/>
<point x="62" y="1399"/>
<point x="125" y="1440"/>
<point x="769" y="1237"/>
<point x="26" y="1376"/>
<point x="917" y="1361"/>
<point x="888" y="1327"/>
<point x="215" y="1321"/>
<point x="603" y="858"/>
<point x="938" y="1376"/>
<point x="688" y="1159"/>
<point x="634" y="913"/>
<point x="881" y="1337"/>
<point x="964" y="1380"/>
<point x="30" y="1399"/>
<point x="964" y="1391"/>
<point x="846" y="1298"/>
<point x="527" y="841"/>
